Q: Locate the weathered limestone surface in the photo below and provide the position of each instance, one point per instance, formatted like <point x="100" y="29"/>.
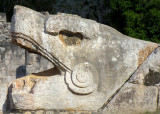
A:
<point x="141" y="92"/>
<point x="149" y="72"/>
<point x="15" y="62"/>
<point x="33" y="92"/>
<point x="134" y="98"/>
<point x="3" y="95"/>
<point x="92" y="64"/>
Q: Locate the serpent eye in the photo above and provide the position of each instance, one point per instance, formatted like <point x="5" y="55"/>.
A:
<point x="70" y="38"/>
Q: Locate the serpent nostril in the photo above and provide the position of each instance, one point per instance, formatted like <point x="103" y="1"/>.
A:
<point x="70" y="38"/>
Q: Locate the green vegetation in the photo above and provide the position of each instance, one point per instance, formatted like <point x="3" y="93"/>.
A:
<point x="136" y="18"/>
<point x="156" y="112"/>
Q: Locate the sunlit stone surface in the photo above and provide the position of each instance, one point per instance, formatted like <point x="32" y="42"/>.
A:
<point x="92" y="63"/>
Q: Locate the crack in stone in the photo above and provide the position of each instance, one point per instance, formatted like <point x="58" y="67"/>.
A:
<point x="157" y="85"/>
<point x="110" y="98"/>
<point x="31" y="91"/>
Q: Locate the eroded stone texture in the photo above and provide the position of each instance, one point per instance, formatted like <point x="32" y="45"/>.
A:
<point x="40" y="92"/>
<point x="141" y="94"/>
<point x="149" y="72"/>
<point x="59" y="112"/>
<point x="92" y="62"/>
<point x="16" y="62"/>
<point x="35" y="63"/>
<point x="133" y="99"/>
<point x="3" y="96"/>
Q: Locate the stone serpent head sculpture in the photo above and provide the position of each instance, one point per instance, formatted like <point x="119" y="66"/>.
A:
<point x="95" y="60"/>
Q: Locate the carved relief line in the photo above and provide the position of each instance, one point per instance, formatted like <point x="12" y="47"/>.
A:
<point x="46" y="54"/>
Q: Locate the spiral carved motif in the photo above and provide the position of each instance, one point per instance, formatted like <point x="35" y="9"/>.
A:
<point x="83" y="79"/>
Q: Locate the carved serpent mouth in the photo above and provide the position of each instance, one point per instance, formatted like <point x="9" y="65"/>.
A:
<point x="32" y="46"/>
<point x="81" y="80"/>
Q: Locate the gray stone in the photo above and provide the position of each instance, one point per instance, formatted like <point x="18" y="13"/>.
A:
<point x="3" y="95"/>
<point x="40" y="112"/>
<point x="2" y="17"/>
<point x="158" y="98"/>
<point x="149" y="72"/>
<point x="3" y="74"/>
<point x="92" y="61"/>
<point x="13" y="59"/>
<point x="146" y="76"/>
<point x="58" y="112"/>
<point x="27" y="94"/>
<point x="134" y="99"/>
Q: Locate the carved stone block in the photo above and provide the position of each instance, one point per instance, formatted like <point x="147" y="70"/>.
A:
<point x="92" y="62"/>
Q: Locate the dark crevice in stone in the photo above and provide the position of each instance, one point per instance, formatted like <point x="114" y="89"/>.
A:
<point x="152" y="78"/>
<point x="50" y="72"/>
<point x="32" y="89"/>
<point x="158" y="99"/>
<point x="8" y="105"/>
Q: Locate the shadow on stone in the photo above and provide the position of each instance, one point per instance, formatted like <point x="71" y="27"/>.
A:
<point x="50" y="72"/>
<point x="8" y="105"/>
<point x="152" y="78"/>
<point x="21" y="71"/>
